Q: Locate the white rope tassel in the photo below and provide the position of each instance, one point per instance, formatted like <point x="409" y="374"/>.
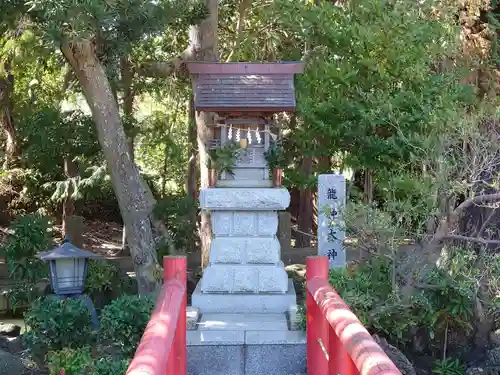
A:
<point x="249" y="135"/>
<point x="230" y="133"/>
<point x="257" y="136"/>
<point x="273" y="136"/>
<point x="238" y="135"/>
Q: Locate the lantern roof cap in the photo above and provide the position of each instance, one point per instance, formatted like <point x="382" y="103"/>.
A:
<point x="67" y="251"/>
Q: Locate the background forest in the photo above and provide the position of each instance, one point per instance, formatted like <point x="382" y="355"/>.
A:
<point x="97" y="121"/>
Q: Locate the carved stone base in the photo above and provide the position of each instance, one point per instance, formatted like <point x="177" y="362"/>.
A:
<point x="245" y="254"/>
<point x="245" y="278"/>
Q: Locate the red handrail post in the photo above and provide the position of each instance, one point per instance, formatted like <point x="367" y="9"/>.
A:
<point x="175" y="268"/>
<point x="340" y="362"/>
<point x="317" y="328"/>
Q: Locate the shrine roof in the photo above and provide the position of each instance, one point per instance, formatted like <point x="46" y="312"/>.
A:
<point x="244" y="87"/>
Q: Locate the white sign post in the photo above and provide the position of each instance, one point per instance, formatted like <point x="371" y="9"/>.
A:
<point x="331" y="234"/>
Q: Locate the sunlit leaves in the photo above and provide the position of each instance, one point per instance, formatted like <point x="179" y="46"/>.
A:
<point x="113" y="22"/>
<point x="369" y="85"/>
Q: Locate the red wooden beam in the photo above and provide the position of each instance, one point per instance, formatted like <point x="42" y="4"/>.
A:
<point x="351" y="349"/>
<point x="162" y="350"/>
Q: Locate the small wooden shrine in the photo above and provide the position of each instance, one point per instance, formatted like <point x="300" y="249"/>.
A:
<point x="245" y="96"/>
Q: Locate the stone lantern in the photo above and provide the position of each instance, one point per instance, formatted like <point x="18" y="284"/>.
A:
<point x="68" y="271"/>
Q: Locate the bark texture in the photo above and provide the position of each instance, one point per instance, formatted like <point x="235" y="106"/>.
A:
<point x="127" y="76"/>
<point x="134" y="196"/>
<point x="192" y="170"/>
<point x="203" y="44"/>
<point x="305" y="215"/>
<point x="12" y="151"/>
<point x="70" y="171"/>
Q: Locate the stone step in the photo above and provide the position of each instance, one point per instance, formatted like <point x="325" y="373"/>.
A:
<point x="239" y="303"/>
<point x="238" y="352"/>
<point x="243" y="322"/>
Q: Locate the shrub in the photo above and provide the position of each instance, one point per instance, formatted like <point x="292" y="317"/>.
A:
<point x="123" y="321"/>
<point x="103" y="282"/>
<point x="22" y="191"/>
<point x="29" y="236"/>
<point x="102" y="276"/>
<point x="109" y="366"/>
<point x="179" y="215"/>
<point x="72" y="361"/>
<point x="80" y="362"/>
<point x="55" y="324"/>
<point x="368" y="291"/>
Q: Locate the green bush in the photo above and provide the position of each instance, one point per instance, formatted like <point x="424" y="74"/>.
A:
<point x="72" y="361"/>
<point x="80" y="362"/>
<point x="55" y="324"/>
<point x="105" y="283"/>
<point x="22" y="191"/>
<point x="123" y="321"/>
<point x="30" y="235"/>
<point x="109" y="366"/>
<point x="179" y="215"/>
<point x="368" y="291"/>
<point x="102" y="276"/>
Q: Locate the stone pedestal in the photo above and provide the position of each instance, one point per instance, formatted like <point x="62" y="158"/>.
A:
<point x="245" y="273"/>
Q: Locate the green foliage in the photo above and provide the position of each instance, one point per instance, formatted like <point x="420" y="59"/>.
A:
<point x="179" y="215"/>
<point x="116" y="22"/>
<point x="104" y="282"/>
<point x="72" y="361"/>
<point x="80" y="362"/>
<point x="448" y="366"/>
<point x="275" y="156"/>
<point x="369" y="83"/>
<point x="162" y="149"/>
<point x="21" y="192"/>
<point x="46" y="141"/>
<point x="29" y="236"/>
<point x="368" y="290"/>
<point x="123" y="321"/>
<point x="109" y="366"/>
<point x="102" y="277"/>
<point x="223" y="159"/>
<point x="56" y="324"/>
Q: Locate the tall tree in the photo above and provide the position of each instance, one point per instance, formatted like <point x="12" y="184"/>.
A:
<point x="92" y="35"/>
<point x="203" y="41"/>
<point x="202" y="47"/>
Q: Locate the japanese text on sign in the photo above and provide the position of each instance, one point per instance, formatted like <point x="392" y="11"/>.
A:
<point x="331" y="199"/>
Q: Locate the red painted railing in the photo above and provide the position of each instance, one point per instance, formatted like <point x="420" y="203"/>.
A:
<point x="162" y="350"/>
<point x="337" y="342"/>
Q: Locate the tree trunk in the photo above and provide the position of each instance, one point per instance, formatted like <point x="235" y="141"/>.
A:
<point x="128" y="109"/>
<point x="135" y="199"/>
<point x="70" y="171"/>
<point x="305" y="216"/>
<point x="203" y="42"/>
<point x="12" y="151"/>
<point x="368" y="187"/>
<point x="192" y="172"/>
